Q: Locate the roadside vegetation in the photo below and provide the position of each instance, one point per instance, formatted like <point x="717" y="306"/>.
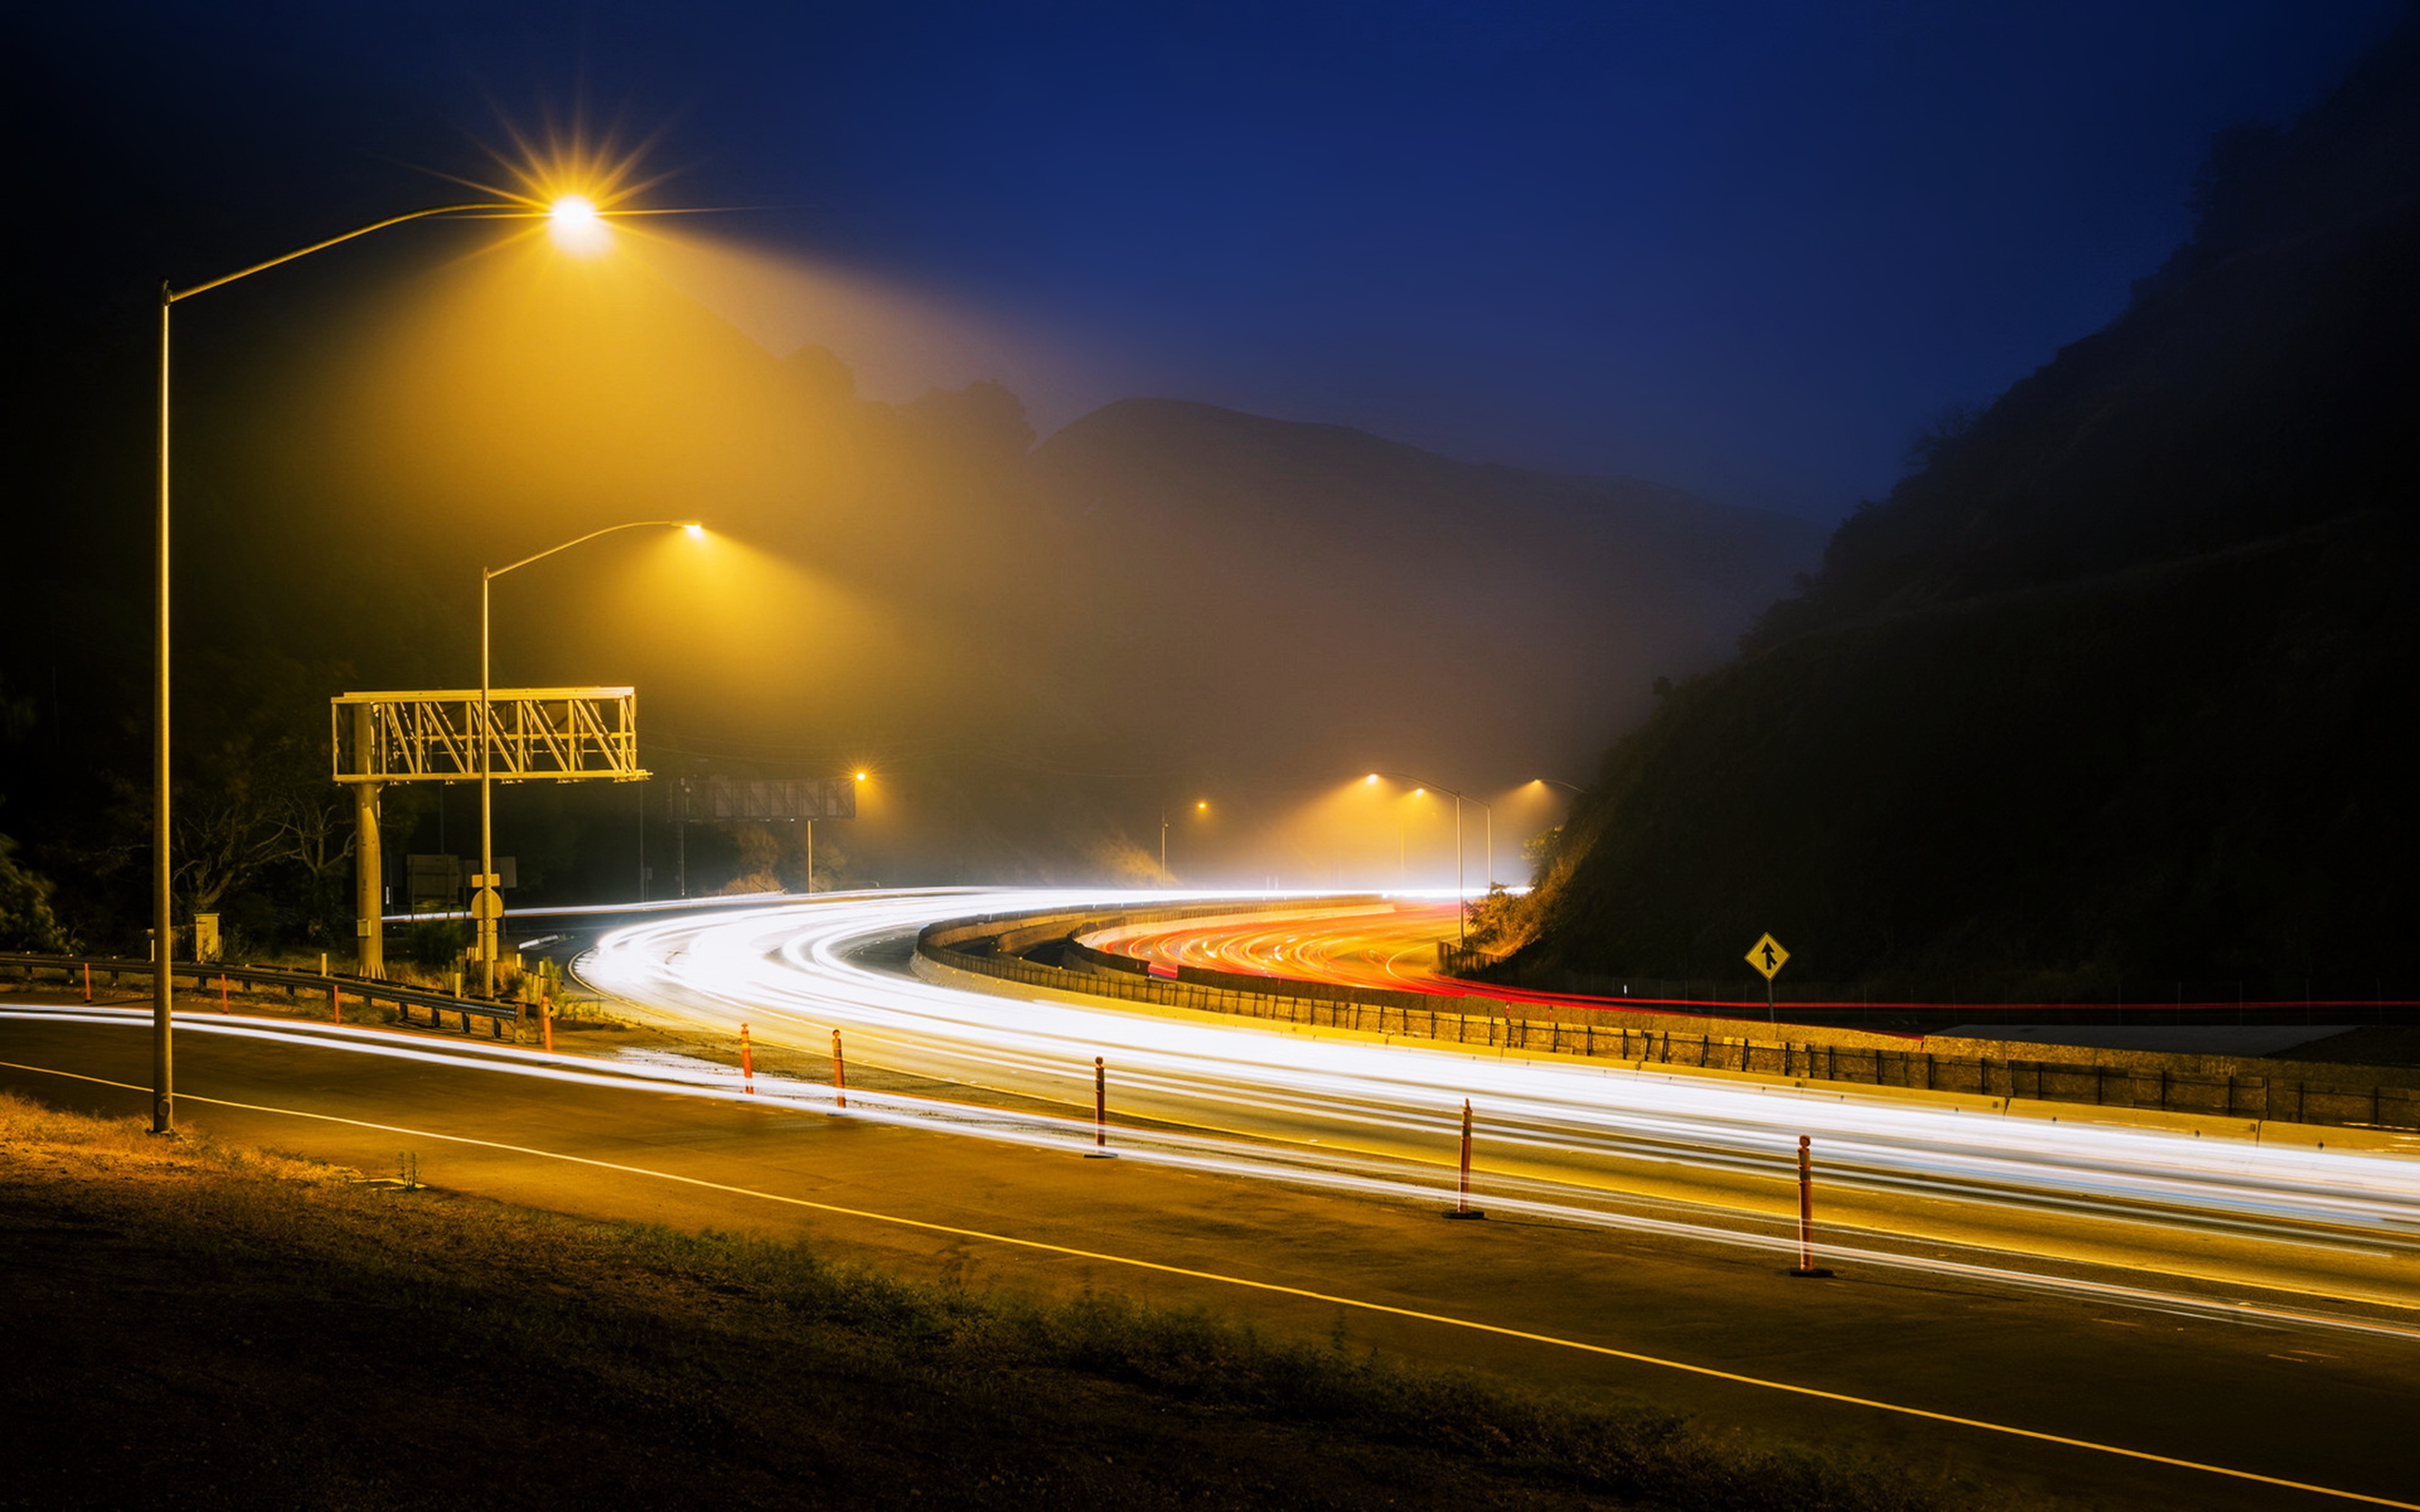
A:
<point x="200" y="1325"/>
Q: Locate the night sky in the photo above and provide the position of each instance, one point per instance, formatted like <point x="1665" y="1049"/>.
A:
<point x="1746" y="249"/>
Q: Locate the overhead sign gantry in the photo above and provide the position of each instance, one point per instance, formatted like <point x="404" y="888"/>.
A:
<point x="546" y="735"/>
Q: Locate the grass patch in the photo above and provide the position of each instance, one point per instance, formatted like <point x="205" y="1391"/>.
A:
<point x="274" y="1330"/>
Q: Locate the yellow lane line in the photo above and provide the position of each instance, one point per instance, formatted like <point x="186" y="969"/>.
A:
<point x="1388" y="1309"/>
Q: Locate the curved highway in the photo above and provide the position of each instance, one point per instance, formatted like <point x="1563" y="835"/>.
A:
<point x="1391" y="945"/>
<point x="2160" y="1216"/>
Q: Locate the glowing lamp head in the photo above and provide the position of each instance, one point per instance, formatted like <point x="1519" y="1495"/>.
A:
<point x="696" y="531"/>
<point x="576" y="226"/>
<point x="1372" y="780"/>
<point x="1204" y="806"/>
<point x="861" y="776"/>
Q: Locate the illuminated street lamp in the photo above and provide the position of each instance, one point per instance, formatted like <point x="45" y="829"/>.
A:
<point x="1574" y="789"/>
<point x="487" y="904"/>
<point x="1200" y="806"/>
<point x="570" y="212"/>
<point x="1461" y="914"/>
<point x="859" y="778"/>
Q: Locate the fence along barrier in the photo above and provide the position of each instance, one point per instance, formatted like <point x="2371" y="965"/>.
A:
<point x="203" y="976"/>
<point x="2267" y="1098"/>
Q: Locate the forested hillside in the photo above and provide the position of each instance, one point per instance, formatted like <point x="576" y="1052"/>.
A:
<point x="2110" y="689"/>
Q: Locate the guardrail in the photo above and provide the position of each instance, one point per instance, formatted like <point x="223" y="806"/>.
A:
<point x="332" y="988"/>
<point x="2175" y="1084"/>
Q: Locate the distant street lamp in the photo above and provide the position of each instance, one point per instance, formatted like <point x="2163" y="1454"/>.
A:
<point x="1462" y="920"/>
<point x="487" y="904"/>
<point x="859" y="778"/>
<point x="572" y="210"/>
<point x="1574" y="789"/>
<point x="1201" y="806"/>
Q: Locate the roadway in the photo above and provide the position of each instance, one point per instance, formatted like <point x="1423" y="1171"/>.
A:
<point x="2249" y="1305"/>
<point x="1393" y="946"/>
<point x="1922" y="1182"/>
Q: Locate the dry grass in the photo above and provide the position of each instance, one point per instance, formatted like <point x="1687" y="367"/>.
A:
<point x="629" y="1359"/>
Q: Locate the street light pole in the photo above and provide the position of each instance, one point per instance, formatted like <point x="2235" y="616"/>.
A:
<point x="163" y="870"/>
<point x="1462" y="920"/>
<point x="487" y="904"/>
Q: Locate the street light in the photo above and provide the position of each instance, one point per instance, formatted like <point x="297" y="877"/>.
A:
<point x="1571" y="788"/>
<point x="163" y="862"/>
<point x="1461" y="912"/>
<point x="1201" y="806"/>
<point x="487" y="904"/>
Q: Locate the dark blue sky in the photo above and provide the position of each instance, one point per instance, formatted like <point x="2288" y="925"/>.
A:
<point x="1748" y="247"/>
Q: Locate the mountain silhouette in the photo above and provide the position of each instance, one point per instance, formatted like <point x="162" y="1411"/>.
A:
<point x="2108" y="690"/>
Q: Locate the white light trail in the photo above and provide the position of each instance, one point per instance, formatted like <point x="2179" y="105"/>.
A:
<point x="1570" y="1125"/>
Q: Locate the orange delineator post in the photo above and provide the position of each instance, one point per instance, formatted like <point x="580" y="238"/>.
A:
<point x="546" y="1022"/>
<point x="1806" y="1266"/>
<point x="223" y="1002"/>
<point x="747" y="1063"/>
<point x="1462" y="1208"/>
<point x="1100" y="1149"/>
<point x="840" y="1074"/>
<point x="1806" y="1204"/>
<point x="88" y="981"/>
<point x="337" y="1003"/>
<point x="1462" y="1194"/>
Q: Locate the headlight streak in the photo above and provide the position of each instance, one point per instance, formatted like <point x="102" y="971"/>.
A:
<point x="798" y="965"/>
<point x="1372" y="1177"/>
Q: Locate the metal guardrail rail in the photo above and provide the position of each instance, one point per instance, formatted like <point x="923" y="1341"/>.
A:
<point x="2281" y="1099"/>
<point x="78" y="970"/>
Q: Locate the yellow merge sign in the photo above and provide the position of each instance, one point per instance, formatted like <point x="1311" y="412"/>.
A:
<point x="1767" y="956"/>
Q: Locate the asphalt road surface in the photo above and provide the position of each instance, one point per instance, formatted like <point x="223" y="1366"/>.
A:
<point x="2236" y="1305"/>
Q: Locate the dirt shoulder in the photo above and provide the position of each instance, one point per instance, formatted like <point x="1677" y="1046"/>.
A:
<point x="188" y="1325"/>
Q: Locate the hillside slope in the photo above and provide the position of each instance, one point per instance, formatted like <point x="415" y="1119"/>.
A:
<point x="2109" y="690"/>
<point x="1370" y="603"/>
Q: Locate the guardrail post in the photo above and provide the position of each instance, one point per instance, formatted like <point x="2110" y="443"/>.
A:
<point x="1100" y="1149"/>
<point x="1806" y="1266"/>
<point x="840" y="1074"/>
<point x="1462" y="1208"/>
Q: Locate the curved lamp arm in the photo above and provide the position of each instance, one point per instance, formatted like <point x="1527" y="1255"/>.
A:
<point x="490" y="574"/>
<point x="485" y="209"/>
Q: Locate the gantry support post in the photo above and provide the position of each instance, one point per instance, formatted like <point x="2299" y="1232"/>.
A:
<point x="369" y="861"/>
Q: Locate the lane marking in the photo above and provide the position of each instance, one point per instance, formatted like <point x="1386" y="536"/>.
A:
<point x="1387" y="1310"/>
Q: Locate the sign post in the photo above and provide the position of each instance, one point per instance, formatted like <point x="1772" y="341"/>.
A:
<point x="1767" y="956"/>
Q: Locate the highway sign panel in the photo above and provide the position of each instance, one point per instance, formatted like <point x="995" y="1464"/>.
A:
<point x="1767" y="956"/>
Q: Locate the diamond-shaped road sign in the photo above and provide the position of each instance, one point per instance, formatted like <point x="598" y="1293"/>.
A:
<point x="1767" y="956"/>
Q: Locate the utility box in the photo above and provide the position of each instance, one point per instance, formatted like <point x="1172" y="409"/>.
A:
<point x="205" y="936"/>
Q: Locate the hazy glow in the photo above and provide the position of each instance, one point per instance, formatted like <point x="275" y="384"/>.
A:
<point x="576" y="226"/>
<point x="696" y="531"/>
